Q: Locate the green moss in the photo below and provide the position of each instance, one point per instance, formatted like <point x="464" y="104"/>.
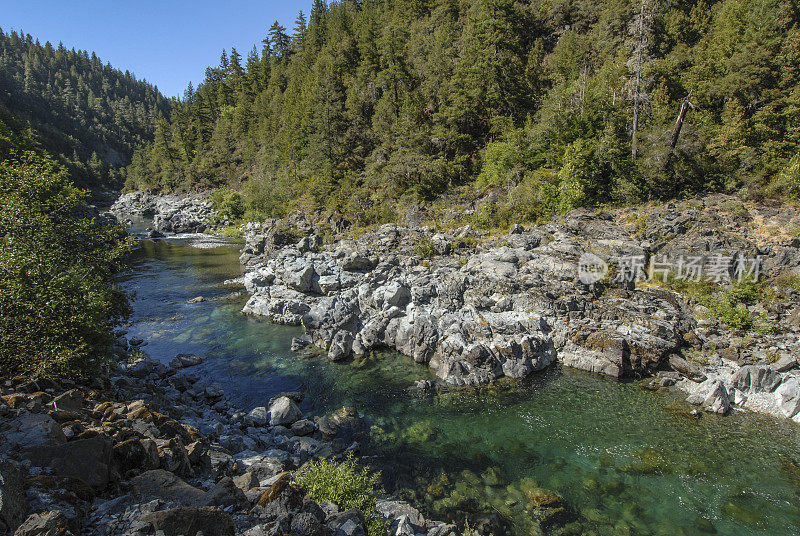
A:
<point x="420" y="432"/>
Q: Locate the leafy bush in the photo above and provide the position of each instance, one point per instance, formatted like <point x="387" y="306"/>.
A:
<point x="344" y="485"/>
<point x="582" y="178"/>
<point x="424" y="248"/>
<point x="264" y="198"/>
<point x="228" y="203"/>
<point x="492" y="216"/>
<point x="536" y="197"/>
<point x="789" y="178"/>
<point x="501" y="164"/>
<point x="58" y="306"/>
<point x="730" y="306"/>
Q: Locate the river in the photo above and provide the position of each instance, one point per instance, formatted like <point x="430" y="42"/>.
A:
<point x="628" y="460"/>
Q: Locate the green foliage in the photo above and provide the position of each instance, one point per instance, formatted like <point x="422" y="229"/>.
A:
<point x="788" y="279"/>
<point x="581" y="178"/>
<point x="345" y="485"/>
<point x="492" y="216"/>
<point x="86" y="114"/>
<point x="57" y="304"/>
<point x="500" y="165"/>
<point x="537" y="196"/>
<point x="228" y="203"/>
<point x="264" y="199"/>
<point x="424" y="248"/>
<point x="729" y="303"/>
<point x="380" y="104"/>
<point x="789" y="178"/>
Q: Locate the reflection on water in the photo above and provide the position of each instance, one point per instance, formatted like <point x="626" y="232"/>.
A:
<point x="626" y="460"/>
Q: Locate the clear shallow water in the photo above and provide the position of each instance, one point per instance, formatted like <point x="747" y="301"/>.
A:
<point x="627" y="461"/>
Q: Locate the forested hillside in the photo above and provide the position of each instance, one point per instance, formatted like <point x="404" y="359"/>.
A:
<point x="553" y="104"/>
<point x="88" y="115"/>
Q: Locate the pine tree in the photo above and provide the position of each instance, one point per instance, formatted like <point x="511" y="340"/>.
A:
<point x="279" y="41"/>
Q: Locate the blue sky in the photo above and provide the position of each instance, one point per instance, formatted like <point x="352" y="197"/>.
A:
<point x="168" y="43"/>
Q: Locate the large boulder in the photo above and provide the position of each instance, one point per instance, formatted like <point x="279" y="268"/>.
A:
<point x="712" y="395"/>
<point x="191" y="521"/>
<point x="52" y="523"/>
<point x="307" y="524"/>
<point x="224" y="494"/>
<point x="13" y="506"/>
<point x="350" y="522"/>
<point x="788" y="395"/>
<point x="284" y="412"/>
<point x="31" y="430"/>
<point x="136" y="455"/>
<point x="258" y="416"/>
<point x="70" y="402"/>
<point x="88" y="460"/>
<point x="185" y="360"/>
<point x="160" y="484"/>
<point x="756" y="379"/>
<point x="689" y="370"/>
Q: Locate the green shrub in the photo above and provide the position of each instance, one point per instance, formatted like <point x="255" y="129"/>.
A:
<point x="346" y="486"/>
<point x="730" y="306"/>
<point x="501" y="163"/>
<point x="58" y="306"/>
<point x="424" y="248"/>
<point x="228" y="203"/>
<point x="265" y="198"/>
<point x="789" y="178"/>
<point x="536" y="197"/>
<point x="582" y="179"/>
<point x="234" y="232"/>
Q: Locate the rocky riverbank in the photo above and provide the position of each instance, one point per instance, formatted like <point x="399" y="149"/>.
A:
<point x="170" y="214"/>
<point x="155" y="448"/>
<point x="476" y="307"/>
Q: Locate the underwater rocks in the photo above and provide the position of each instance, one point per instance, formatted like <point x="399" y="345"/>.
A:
<point x="154" y="448"/>
<point x="476" y="307"/>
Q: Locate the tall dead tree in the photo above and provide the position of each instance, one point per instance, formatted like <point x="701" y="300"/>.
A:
<point x="686" y="104"/>
<point x="642" y="28"/>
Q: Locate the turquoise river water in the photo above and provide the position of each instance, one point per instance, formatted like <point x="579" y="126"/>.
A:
<point x="626" y="460"/>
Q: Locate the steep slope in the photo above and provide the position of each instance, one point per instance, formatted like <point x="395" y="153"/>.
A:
<point x="90" y="116"/>
<point x="373" y="106"/>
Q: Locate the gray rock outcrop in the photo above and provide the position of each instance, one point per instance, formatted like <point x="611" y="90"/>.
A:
<point x="507" y="309"/>
<point x="170" y="213"/>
